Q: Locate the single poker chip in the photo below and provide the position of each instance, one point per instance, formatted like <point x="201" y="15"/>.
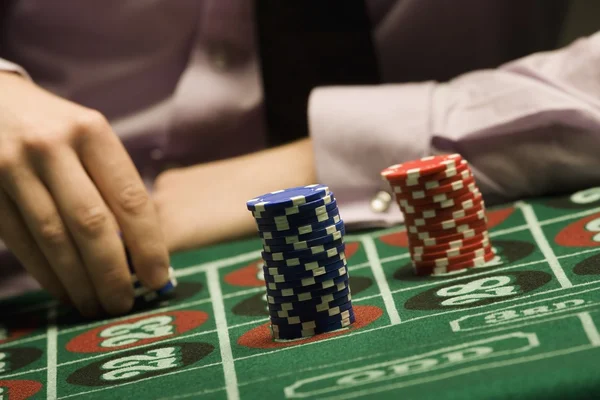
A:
<point x="423" y="167"/>
<point x="334" y="298"/>
<point x="277" y="298"/>
<point x="315" y="207"/>
<point x="318" y="214"/>
<point x="305" y="244"/>
<point x="310" y="322"/>
<point x="294" y="334"/>
<point x="327" y="257"/>
<point x="303" y="254"/>
<point x="285" y="274"/>
<point x="474" y="263"/>
<point x="449" y="238"/>
<point x="440" y="177"/>
<point x="310" y="309"/>
<point x="454" y="244"/>
<point x="461" y="173"/>
<point x="429" y="256"/>
<point x="446" y="225"/>
<point x="301" y="230"/>
<point x="454" y="203"/>
<point x="482" y="223"/>
<point x="435" y="218"/>
<point x="317" y="287"/>
<point x="310" y="281"/>
<point x="287" y="197"/>
<point x="438" y="198"/>
<point x="446" y="261"/>
<point x="317" y="234"/>
<point x="452" y="187"/>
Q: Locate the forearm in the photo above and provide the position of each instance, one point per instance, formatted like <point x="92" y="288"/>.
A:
<point x="206" y="204"/>
<point x="528" y="128"/>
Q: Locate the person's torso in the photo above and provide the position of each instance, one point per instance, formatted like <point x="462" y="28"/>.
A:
<point x="180" y="80"/>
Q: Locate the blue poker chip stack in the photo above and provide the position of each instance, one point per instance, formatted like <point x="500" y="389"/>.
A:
<point x="305" y="269"/>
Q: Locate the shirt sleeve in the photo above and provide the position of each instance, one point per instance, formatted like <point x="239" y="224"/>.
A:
<point x="529" y="127"/>
<point x="7" y="66"/>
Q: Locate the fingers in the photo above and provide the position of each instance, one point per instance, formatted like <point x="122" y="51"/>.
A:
<point x="46" y="227"/>
<point x="15" y="234"/>
<point x="67" y="204"/>
<point x="90" y="224"/>
<point x="113" y="172"/>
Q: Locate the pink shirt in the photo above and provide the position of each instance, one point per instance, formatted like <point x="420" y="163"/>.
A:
<point x="179" y="78"/>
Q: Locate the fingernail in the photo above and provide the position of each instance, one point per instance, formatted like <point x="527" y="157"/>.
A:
<point x="158" y="277"/>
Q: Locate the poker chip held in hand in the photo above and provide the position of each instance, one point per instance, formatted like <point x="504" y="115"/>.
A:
<point x="444" y="214"/>
<point x="305" y="268"/>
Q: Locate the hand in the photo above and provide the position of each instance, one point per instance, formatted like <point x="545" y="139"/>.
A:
<point x="206" y="204"/>
<point x="67" y="186"/>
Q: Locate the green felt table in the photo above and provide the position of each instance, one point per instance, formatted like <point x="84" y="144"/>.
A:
<point x="525" y="326"/>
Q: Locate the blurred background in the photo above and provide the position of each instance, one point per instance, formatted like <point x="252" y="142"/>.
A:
<point x="582" y="20"/>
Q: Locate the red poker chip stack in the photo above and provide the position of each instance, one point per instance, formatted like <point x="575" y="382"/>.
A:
<point x="444" y="214"/>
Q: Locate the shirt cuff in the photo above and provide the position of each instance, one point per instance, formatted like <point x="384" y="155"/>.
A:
<point x="357" y="131"/>
<point x="7" y="66"/>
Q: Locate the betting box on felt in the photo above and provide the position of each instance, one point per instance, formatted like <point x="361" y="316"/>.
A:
<point x="524" y="326"/>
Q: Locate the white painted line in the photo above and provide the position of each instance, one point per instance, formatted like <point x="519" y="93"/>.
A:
<point x="216" y="296"/>
<point x="226" y="262"/>
<point x="382" y="283"/>
<point x="359" y="332"/>
<point x="29" y="371"/>
<point x="512" y="299"/>
<point x="52" y="350"/>
<point x="570" y="216"/>
<point x="179" y="371"/>
<point x="244" y="292"/>
<point x="215" y="265"/>
<point x="363" y="331"/>
<point x="253" y="322"/>
<point x="590" y="328"/>
<point x="502" y="232"/>
<point x="364" y="298"/>
<point x="484" y="271"/>
<point x="371" y="393"/>
<point x="141" y="314"/>
<point x="396" y="258"/>
<point x="298" y="346"/>
<point x="195" y="394"/>
<point x="167" y="340"/>
<point x="542" y="242"/>
<point x="26" y="340"/>
<point x="595" y="250"/>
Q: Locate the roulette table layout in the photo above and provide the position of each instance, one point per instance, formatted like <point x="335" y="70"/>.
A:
<point x="522" y="326"/>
